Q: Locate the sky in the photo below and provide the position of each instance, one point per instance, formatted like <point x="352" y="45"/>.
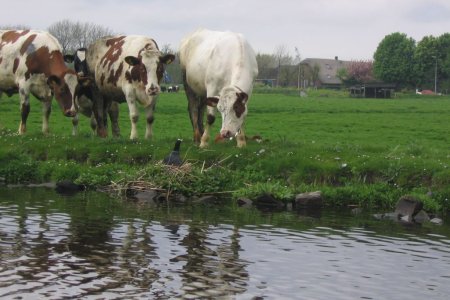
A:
<point x="349" y="29"/>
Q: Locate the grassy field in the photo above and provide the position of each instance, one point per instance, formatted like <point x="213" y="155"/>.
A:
<point x="357" y="151"/>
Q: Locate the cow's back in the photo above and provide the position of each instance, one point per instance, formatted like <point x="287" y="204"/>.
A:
<point x="15" y="46"/>
<point x="218" y="59"/>
<point x="106" y="58"/>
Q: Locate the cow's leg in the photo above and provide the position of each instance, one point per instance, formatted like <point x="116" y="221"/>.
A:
<point x="113" y="111"/>
<point x="210" y="118"/>
<point x="94" y="127"/>
<point x="134" y="117"/>
<point x="196" y="110"/>
<point x="24" y="110"/>
<point x="75" y="120"/>
<point x="46" y="111"/>
<point x="240" y="138"/>
<point x="150" y="118"/>
<point x="98" y="113"/>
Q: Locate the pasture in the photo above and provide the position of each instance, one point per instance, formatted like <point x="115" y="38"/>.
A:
<point x="365" y="152"/>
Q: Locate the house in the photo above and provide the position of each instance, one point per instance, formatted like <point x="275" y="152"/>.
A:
<point x="321" y="72"/>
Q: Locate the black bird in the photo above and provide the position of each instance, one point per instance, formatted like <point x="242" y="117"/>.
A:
<point x="174" y="158"/>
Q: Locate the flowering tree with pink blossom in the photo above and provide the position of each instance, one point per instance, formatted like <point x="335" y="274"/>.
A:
<point x="357" y="72"/>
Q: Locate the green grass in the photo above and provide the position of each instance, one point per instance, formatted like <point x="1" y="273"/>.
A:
<point x="357" y="151"/>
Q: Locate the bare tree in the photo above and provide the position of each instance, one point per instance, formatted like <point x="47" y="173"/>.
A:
<point x="73" y="35"/>
<point x="15" y="27"/>
<point x="63" y="32"/>
<point x="282" y="57"/>
<point x="166" y="48"/>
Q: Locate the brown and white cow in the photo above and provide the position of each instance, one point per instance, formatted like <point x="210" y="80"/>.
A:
<point x="127" y="68"/>
<point x="31" y="62"/>
<point x="218" y="72"/>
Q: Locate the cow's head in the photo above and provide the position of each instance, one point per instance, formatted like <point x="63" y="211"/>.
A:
<point x="63" y="88"/>
<point x="148" y="69"/>
<point x="79" y="62"/>
<point x="232" y="104"/>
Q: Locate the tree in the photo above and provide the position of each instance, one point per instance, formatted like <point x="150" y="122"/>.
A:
<point x="15" y="27"/>
<point x="315" y="74"/>
<point x="425" y="57"/>
<point x="393" y="59"/>
<point x="173" y="70"/>
<point x="443" y="46"/>
<point x="356" y="72"/>
<point x="266" y="68"/>
<point x="282" y="58"/>
<point x="74" y="35"/>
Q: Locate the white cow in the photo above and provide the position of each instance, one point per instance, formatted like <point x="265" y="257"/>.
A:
<point x="218" y="71"/>
<point x="31" y="61"/>
<point x="128" y="68"/>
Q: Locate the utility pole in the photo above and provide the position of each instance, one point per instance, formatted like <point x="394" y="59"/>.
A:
<point x="435" y="76"/>
<point x="297" y="56"/>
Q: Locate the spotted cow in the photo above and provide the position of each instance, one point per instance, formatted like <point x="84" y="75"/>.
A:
<point x="127" y="68"/>
<point x="31" y="62"/>
<point x="218" y="72"/>
<point x="88" y="99"/>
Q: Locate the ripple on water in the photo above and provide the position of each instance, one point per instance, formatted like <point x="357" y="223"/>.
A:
<point x="57" y="249"/>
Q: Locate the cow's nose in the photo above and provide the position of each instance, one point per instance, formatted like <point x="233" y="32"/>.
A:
<point x="153" y="90"/>
<point x="69" y="113"/>
<point x="225" y="134"/>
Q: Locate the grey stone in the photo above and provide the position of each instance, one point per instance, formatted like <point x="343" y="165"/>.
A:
<point x="437" y="221"/>
<point x="408" y="206"/>
<point x="407" y="218"/>
<point x="179" y="198"/>
<point x="387" y="216"/>
<point x="244" y="202"/>
<point x="421" y="217"/>
<point x="357" y="210"/>
<point x="209" y="199"/>
<point x="267" y="201"/>
<point x="145" y="196"/>
<point x="311" y="199"/>
<point x="68" y="187"/>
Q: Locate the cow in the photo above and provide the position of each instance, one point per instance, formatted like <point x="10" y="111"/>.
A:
<point x="31" y="62"/>
<point x="173" y="89"/>
<point x="218" y="73"/>
<point x="88" y="99"/>
<point x="127" y="68"/>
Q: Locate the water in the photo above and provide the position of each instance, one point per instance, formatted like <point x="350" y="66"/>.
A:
<point x="91" y="246"/>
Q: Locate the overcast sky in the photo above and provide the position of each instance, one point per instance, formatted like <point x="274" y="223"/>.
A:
<point x="349" y="29"/>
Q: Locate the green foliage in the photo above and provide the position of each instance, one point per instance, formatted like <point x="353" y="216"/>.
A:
<point x="393" y="59"/>
<point x="380" y="195"/>
<point x="425" y="57"/>
<point x="22" y="170"/>
<point x="273" y="188"/>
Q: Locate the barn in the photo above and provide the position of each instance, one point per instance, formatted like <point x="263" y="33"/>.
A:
<point x="372" y="90"/>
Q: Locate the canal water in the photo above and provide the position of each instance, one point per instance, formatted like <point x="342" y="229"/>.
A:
<point x="92" y="246"/>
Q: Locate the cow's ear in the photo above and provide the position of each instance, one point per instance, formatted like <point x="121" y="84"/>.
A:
<point x="53" y="80"/>
<point x="132" y="60"/>
<point x="243" y="97"/>
<point x="212" y="101"/>
<point x="68" y="58"/>
<point x="167" y="59"/>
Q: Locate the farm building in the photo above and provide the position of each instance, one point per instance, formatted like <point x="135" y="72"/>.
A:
<point x="321" y="72"/>
<point x="372" y="90"/>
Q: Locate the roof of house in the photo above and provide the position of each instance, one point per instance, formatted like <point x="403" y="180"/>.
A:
<point x="328" y="68"/>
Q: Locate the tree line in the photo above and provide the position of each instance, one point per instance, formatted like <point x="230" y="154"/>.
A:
<point x="401" y="60"/>
<point x="398" y="59"/>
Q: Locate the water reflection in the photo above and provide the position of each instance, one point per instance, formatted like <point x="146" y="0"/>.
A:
<point x="92" y="246"/>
